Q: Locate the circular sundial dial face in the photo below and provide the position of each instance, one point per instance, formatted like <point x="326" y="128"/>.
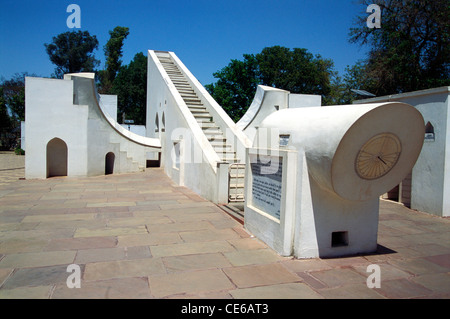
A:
<point x="378" y="156"/>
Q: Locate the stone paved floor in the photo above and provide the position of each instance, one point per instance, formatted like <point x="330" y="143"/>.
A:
<point x="141" y="236"/>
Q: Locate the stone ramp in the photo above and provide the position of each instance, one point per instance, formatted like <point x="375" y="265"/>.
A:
<point x="142" y="236"/>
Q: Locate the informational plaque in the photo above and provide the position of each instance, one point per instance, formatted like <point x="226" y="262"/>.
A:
<point x="267" y="183"/>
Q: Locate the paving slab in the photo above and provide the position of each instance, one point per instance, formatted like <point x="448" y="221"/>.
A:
<point x="195" y="262"/>
<point x="81" y="243"/>
<point x="40" y="292"/>
<point x="150" y="239"/>
<point x="419" y="266"/>
<point x="282" y="291"/>
<point x="252" y="257"/>
<point x="351" y="291"/>
<point x="141" y="236"/>
<point x="41" y="259"/>
<point x="189" y="282"/>
<point x="191" y="248"/>
<point x="438" y="283"/>
<point x="339" y="277"/>
<point x="118" y="288"/>
<point x="402" y="289"/>
<point x="123" y="268"/>
<point x="260" y="275"/>
<point x="109" y="231"/>
<point x="37" y="276"/>
<point x="85" y="256"/>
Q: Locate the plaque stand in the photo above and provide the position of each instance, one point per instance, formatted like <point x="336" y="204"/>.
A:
<point x="270" y="216"/>
<point x="307" y="221"/>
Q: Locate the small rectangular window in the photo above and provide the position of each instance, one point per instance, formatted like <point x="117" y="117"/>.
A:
<point x="339" y="239"/>
<point x="177" y="153"/>
<point x="284" y="140"/>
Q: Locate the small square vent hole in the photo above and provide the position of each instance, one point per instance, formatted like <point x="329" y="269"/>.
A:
<point x="339" y="239"/>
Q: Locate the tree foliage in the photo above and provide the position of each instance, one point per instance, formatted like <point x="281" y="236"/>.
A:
<point x="72" y="52"/>
<point x="5" y="123"/>
<point x="14" y="95"/>
<point x="296" y="70"/>
<point x="113" y="54"/>
<point x="236" y="86"/>
<point x="12" y="109"/>
<point x="130" y="85"/>
<point x="411" y="50"/>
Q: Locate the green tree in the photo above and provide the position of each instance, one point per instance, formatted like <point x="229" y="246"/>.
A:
<point x="296" y="70"/>
<point x="5" y="123"/>
<point x="72" y="52"/>
<point x="14" y="95"/>
<point x="12" y="108"/>
<point x="236" y="86"/>
<point x="113" y="53"/>
<point x="130" y="85"/>
<point x="411" y="50"/>
<point x="354" y="79"/>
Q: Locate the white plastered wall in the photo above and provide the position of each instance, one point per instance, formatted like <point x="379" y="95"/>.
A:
<point x="71" y="110"/>
<point x="50" y="113"/>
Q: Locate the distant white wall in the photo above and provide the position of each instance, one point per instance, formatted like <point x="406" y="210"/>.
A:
<point x="110" y="105"/>
<point x="136" y="129"/>
<point x="304" y="100"/>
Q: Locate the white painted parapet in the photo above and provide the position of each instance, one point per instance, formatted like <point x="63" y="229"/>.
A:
<point x="345" y="158"/>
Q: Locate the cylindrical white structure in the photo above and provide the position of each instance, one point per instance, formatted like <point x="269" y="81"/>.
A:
<point x="355" y="151"/>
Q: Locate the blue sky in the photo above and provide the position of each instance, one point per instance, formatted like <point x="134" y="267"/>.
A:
<point x="205" y="34"/>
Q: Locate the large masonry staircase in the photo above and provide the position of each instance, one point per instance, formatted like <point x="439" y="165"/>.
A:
<point x="226" y="140"/>
<point x="206" y="121"/>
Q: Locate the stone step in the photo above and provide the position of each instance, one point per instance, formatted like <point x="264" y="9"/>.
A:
<point x="191" y="95"/>
<point x="179" y="80"/>
<point x="217" y="139"/>
<point x="181" y="84"/>
<point x="230" y="159"/>
<point x="207" y="125"/>
<point x="187" y="92"/>
<point x="225" y="154"/>
<point x="213" y="132"/>
<point x="236" y="198"/>
<point x="239" y="185"/>
<point x="197" y="108"/>
<point x="191" y="104"/>
<point x="222" y="146"/>
<point x="203" y="116"/>
<point x="193" y="101"/>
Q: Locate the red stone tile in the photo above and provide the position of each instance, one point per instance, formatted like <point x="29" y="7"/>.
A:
<point x="441" y="260"/>
<point x="402" y="288"/>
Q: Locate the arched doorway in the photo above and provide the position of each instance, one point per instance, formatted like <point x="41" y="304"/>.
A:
<point x="109" y="163"/>
<point x="56" y="158"/>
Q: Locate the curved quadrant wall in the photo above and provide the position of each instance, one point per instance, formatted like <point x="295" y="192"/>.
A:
<point x="71" y="110"/>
